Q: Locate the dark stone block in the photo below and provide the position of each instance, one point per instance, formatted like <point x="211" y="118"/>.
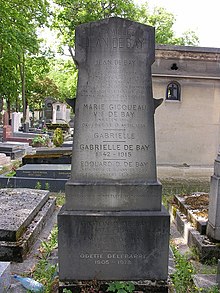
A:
<point x="44" y="171"/>
<point x="9" y="147"/>
<point x="51" y="184"/>
<point x="53" y="151"/>
<point x="47" y="159"/>
<point x="113" y="245"/>
<point x="15" y="154"/>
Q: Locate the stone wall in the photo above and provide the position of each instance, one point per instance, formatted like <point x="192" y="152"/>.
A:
<point x="187" y="131"/>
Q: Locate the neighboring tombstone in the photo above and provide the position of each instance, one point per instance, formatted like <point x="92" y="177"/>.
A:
<point x="7" y="129"/>
<point x="54" y="118"/>
<point x="213" y="227"/>
<point x="61" y="114"/>
<point x="16" y="121"/>
<point x="68" y="112"/>
<point x="48" y="109"/>
<point x="1" y="110"/>
<point x="113" y="226"/>
<point x="27" y="120"/>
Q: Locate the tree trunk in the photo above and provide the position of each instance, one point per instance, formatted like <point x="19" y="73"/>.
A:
<point x="8" y="108"/>
<point x="73" y="56"/>
<point x="22" y="76"/>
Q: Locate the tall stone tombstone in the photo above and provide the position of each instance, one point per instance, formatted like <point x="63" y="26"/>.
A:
<point x="48" y="109"/>
<point x="113" y="226"/>
<point x="7" y="129"/>
<point x="213" y="227"/>
<point x="16" y="121"/>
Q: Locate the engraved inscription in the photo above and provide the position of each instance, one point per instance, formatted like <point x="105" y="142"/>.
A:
<point x="117" y="258"/>
<point x="116" y="62"/>
<point x="117" y="38"/>
<point x="114" y="135"/>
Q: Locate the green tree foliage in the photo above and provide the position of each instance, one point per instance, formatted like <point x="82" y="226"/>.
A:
<point x="42" y="88"/>
<point x="38" y="84"/>
<point x="163" y="21"/>
<point x="70" y="14"/>
<point x="28" y="76"/>
<point x="18" y="40"/>
<point x="64" y="75"/>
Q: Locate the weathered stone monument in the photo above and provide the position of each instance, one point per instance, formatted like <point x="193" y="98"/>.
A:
<point x="213" y="227"/>
<point x="7" y="129"/>
<point x="16" y="121"/>
<point x="48" y="110"/>
<point x="113" y="226"/>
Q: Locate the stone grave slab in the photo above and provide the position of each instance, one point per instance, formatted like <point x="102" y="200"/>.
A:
<point x="44" y="171"/>
<point x="8" y="147"/>
<point x="12" y="150"/>
<point x="56" y="150"/>
<point x="24" y="222"/>
<point x="17" y="251"/>
<point x="46" y="159"/>
<point x="21" y="145"/>
<point x="58" y="155"/>
<point x="5" y="276"/>
<point x="20" y="206"/>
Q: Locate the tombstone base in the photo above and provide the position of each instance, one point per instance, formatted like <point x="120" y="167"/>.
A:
<point x="112" y="195"/>
<point x="140" y="286"/>
<point x="122" y="245"/>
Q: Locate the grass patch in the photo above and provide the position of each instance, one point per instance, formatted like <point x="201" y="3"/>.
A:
<point x="183" y="276"/>
<point x="60" y="198"/>
<point x="45" y="272"/>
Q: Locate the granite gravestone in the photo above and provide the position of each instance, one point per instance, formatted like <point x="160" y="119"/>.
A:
<point x="113" y="226"/>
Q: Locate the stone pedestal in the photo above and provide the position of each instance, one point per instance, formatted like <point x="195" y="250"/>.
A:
<point x="113" y="195"/>
<point x="213" y="227"/>
<point x="113" y="245"/>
